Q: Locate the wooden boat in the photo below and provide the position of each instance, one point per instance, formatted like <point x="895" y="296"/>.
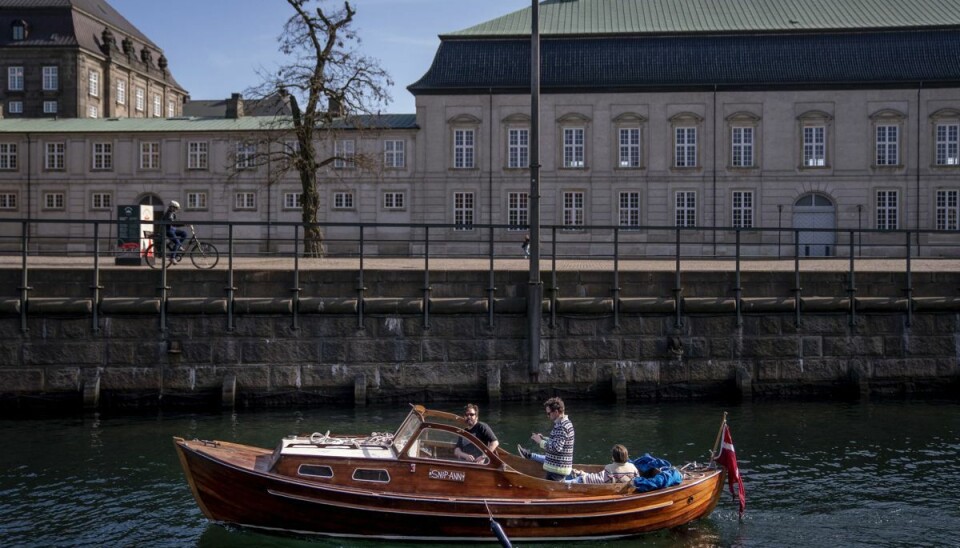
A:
<point x="409" y="485"/>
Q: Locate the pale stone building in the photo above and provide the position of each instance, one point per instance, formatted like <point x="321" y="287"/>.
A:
<point x="80" y="59"/>
<point x="791" y="114"/>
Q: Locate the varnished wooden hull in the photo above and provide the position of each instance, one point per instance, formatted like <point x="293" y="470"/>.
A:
<point x="233" y="484"/>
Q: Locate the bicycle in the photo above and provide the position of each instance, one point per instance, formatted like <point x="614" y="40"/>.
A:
<point x="202" y="254"/>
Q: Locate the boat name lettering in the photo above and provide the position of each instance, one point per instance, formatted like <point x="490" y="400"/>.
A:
<point x="447" y="475"/>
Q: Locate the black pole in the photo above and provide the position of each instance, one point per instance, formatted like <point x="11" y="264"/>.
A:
<point x="535" y="300"/>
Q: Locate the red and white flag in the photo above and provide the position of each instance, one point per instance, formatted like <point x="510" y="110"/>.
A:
<point x="727" y="458"/>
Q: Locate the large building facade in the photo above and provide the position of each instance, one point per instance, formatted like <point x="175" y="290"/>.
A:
<point x="80" y="59"/>
<point x="777" y="114"/>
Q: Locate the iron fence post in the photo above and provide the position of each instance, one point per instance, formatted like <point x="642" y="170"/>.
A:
<point x="852" y="287"/>
<point x="426" y="278"/>
<point x="164" y="288"/>
<point x="677" y="289"/>
<point x="96" y="277"/>
<point x="616" y="278"/>
<point x="230" y="281"/>
<point x="360" y="287"/>
<point x="296" y="289"/>
<point x="738" y="290"/>
<point x="797" y="290"/>
<point x="909" y="288"/>
<point x="555" y="290"/>
<point x="491" y="288"/>
<point x="24" y="278"/>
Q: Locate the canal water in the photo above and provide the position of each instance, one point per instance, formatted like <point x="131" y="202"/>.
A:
<point x="881" y="473"/>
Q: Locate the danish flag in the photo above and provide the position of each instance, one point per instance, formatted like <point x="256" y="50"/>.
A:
<point x="727" y="458"/>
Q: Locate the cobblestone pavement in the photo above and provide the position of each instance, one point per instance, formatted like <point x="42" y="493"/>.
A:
<point x="472" y="264"/>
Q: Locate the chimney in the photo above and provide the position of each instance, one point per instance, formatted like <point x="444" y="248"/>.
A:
<point x="235" y="106"/>
<point x="335" y="107"/>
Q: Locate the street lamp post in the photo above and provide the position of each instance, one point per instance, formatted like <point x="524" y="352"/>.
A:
<point x="535" y="288"/>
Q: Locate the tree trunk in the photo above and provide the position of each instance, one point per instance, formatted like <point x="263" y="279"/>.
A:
<point x="312" y="234"/>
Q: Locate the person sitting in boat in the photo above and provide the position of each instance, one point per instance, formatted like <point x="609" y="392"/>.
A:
<point x="621" y="470"/>
<point x="465" y="450"/>
<point x="557" y="458"/>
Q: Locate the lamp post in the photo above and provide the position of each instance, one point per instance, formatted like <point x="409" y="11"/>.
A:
<point x="535" y="288"/>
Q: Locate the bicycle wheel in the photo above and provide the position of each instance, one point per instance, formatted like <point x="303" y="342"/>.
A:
<point x="150" y="257"/>
<point x="204" y="255"/>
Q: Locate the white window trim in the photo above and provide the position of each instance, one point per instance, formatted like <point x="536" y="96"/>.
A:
<point x="55" y="156"/>
<point x="345" y="151"/>
<point x="15" y="78"/>
<point x="747" y="212"/>
<point x="197" y="200"/>
<point x="464" y="148"/>
<point x="343" y="200"/>
<point x="93" y="83"/>
<point x="685" y="213"/>
<point x="574" y="149"/>
<point x="395" y="153"/>
<point x="947" y="213"/>
<point x="51" y="107"/>
<point x="573" y="209"/>
<point x="198" y="155"/>
<point x="105" y="199"/>
<point x="149" y="155"/>
<point x="102" y="155"/>
<point x="390" y="200"/>
<point x="59" y="199"/>
<point x="629" y="211"/>
<point x="51" y="78"/>
<point x="814" y="155"/>
<point x="245" y="200"/>
<point x="518" y="210"/>
<point x="464" y="210"/>
<point x="887" y="209"/>
<point x="121" y="92"/>
<point x="9" y="157"/>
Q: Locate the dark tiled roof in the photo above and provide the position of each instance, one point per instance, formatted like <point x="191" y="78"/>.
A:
<point x="77" y="23"/>
<point x="645" y="62"/>
<point x="378" y="121"/>
<point x="217" y="108"/>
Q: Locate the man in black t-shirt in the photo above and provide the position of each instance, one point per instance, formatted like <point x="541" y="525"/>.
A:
<point x="466" y="450"/>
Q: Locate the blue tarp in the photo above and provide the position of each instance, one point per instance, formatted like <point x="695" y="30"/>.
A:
<point x="667" y="477"/>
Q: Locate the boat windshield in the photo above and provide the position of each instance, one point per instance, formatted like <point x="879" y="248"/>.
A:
<point x="406" y="431"/>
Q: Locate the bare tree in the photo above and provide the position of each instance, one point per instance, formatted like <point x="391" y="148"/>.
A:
<point x="330" y="86"/>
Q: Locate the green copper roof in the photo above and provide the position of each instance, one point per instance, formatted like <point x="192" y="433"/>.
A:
<point x="188" y="124"/>
<point x="598" y="17"/>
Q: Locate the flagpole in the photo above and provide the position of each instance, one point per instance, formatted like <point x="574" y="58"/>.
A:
<point x="716" y="444"/>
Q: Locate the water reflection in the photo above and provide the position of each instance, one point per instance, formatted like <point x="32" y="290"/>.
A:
<point x="847" y="474"/>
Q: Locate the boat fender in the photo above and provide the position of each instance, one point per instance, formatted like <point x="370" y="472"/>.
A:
<point x="501" y="535"/>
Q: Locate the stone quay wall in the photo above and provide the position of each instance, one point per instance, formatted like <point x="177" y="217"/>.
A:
<point x="124" y="343"/>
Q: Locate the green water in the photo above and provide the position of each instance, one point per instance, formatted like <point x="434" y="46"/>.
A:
<point x="816" y="474"/>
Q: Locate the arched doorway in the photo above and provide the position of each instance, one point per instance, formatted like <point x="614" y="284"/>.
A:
<point x="815" y="211"/>
<point x="155" y="201"/>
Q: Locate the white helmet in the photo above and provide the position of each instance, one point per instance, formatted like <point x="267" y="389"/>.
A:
<point x="175" y="204"/>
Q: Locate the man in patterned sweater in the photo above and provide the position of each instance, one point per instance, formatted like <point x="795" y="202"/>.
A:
<point x="558" y="447"/>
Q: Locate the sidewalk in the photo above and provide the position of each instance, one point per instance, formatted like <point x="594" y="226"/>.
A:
<point x="477" y="264"/>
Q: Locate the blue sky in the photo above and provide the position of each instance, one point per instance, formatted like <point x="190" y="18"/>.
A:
<point x="215" y="46"/>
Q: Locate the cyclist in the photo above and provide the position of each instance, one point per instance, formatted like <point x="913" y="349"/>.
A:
<point x="174" y="233"/>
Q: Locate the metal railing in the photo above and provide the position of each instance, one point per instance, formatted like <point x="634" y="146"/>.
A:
<point x="608" y="248"/>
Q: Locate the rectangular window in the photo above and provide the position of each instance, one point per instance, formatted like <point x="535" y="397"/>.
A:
<point x="121" y="92"/>
<point x="51" y="78"/>
<point x="149" y="155"/>
<point x="53" y="200"/>
<point x="196" y="200"/>
<point x="948" y="144"/>
<point x="518" y="210"/>
<point x="573" y="147"/>
<point x="463" y="143"/>
<point x="246" y="155"/>
<point x="948" y="209"/>
<point x="573" y="209"/>
<point x="50" y="107"/>
<point x="463" y="210"/>
<point x="15" y="107"/>
<point x="197" y="154"/>
<point x="393" y="200"/>
<point x="629" y="147"/>
<point x="101" y="200"/>
<point x="15" y="78"/>
<point x="685" y="147"/>
<point x="888" y="145"/>
<point x="742" y="141"/>
<point x="685" y="208"/>
<point x="245" y="200"/>
<point x="141" y="100"/>
<point x="93" y="111"/>
<point x="344" y="151"/>
<point x="8" y="156"/>
<point x="815" y="146"/>
<point x="8" y="200"/>
<point x="518" y="148"/>
<point x="103" y="156"/>
<point x="171" y="109"/>
<point x="54" y="157"/>
<point x="93" y="83"/>
<point x="343" y="200"/>
<point x="292" y="200"/>
<point x="630" y="209"/>
<point x="742" y="209"/>
<point x="157" y="101"/>
<point x="394" y="154"/>
<point x="887" y="210"/>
